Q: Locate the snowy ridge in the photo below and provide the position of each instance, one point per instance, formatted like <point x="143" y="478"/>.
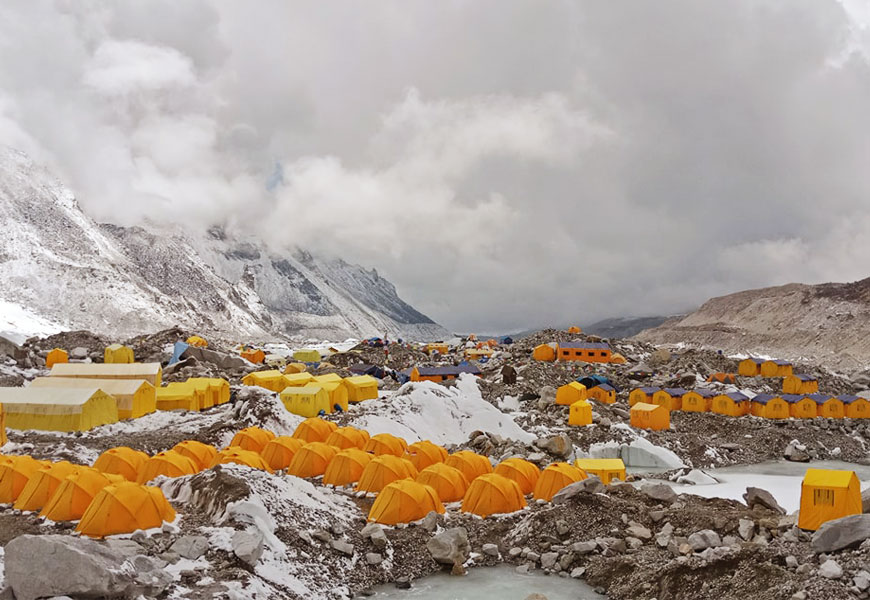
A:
<point x="63" y="271"/>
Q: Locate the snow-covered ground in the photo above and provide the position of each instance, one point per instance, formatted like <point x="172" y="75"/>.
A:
<point x="18" y="323"/>
<point x="429" y="411"/>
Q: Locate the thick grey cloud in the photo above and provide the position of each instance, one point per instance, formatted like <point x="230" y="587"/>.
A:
<point x="506" y="163"/>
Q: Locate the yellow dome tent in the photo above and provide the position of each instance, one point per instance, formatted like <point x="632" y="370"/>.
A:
<point x="57" y="409"/>
<point x="14" y="474"/>
<point x="650" y="416"/>
<point x="385" y="443"/>
<point x="361" y="387"/>
<point x="279" y="452"/>
<point x="525" y="473"/>
<point x="568" y="394"/>
<point x="311" y="460"/>
<point x="56" y="356"/>
<point x="471" y="464"/>
<point x="177" y="396"/>
<point x="294" y="367"/>
<point x="150" y="372"/>
<point x="492" y="494"/>
<point x="346" y="467"/>
<point x="617" y="359"/>
<point x="580" y="413"/>
<point x="306" y="355"/>
<point x="169" y="463"/>
<point x="42" y="485"/>
<point x="273" y="380"/>
<point x="545" y="352"/>
<point x="382" y="470"/>
<point x="122" y="461"/>
<point x="554" y="478"/>
<point x="239" y="456"/>
<point x="252" y="438"/>
<point x="606" y="469"/>
<point x="425" y="453"/>
<point x="253" y="355"/>
<point x="404" y="501"/>
<point x="448" y="482"/>
<point x="314" y="430"/>
<point x="827" y="495"/>
<point x="201" y="454"/>
<point x="134" y="397"/>
<point x="118" y="354"/>
<point x="348" y="437"/>
<point x="75" y="493"/>
<point x="574" y="329"/>
<point x="197" y="341"/>
<point x="306" y="401"/>
<point x="124" y="508"/>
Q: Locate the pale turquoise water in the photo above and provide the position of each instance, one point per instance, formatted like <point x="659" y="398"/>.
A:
<point x="490" y="583"/>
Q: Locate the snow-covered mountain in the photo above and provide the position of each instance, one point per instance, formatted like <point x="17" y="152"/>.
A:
<point x="60" y="270"/>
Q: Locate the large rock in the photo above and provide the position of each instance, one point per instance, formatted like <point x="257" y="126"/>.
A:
<point x="758" y="497"/>
<point x="796" y="452"/>
<point x="38" y="566"/>
<point x="841" y="533"/>
<point x="830" y="569"/>
<point x="661" y="492"/>
<point x="9" y="348"/>
<point x="450" y="547"/>
<point x="591" y="485"/>
<point x="659" y="357"/>
<point x="558" y="445"/>
<point x="190" y="546"/>
<point x="865" y="501"/>
<point x="220" y="359"/>
<point x="248" y="545"/>
<point x="706" y="538"/>
<point x="78" y="353"/>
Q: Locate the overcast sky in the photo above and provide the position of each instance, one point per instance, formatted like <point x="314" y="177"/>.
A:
<point x="506" y="163"/>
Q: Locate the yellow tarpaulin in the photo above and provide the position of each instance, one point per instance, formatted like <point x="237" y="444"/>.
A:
<point x="55" y="409"/>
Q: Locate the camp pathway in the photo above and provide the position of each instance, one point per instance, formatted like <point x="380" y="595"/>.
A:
<point x="780" y="478"/>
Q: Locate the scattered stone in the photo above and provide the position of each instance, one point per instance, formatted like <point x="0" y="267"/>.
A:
<point x="830" y="569"/>
<point x="558" y="445"/>
<point x="791" y="562"/>
<point x="584" y="547"/>
<point x="796" y="452"/>
<point x="801" y="595"/>
<point x="247" y="546"/>
<point x="578" y="572"/>
<point x="746" y="529"/>
<point x="638" y="531"/>
<point x="490" y="549"/>
<point x="562" y="528"/>
<point x="591" y="485"/>
<point x="373" y="558"/>
<point x="403" y="583"/>
<point x="522" y="569"/>
<point x="343" y="547"/>
<point x="450" y="546"/>
<point x="841" y="533"/>
<point x="515" y="552"/>
<point x="861" y="580"/>
<point x="78" y="353"/>
<point x="548" y="559"/>
<point x="190" y="546"/>
<point x="322" y="535"/>
<point x="430" y="521"/>
<point x="656" y="515"/>
<point x="661" y="492"/>
<point x="706" y="538"/>
<point x="758" y="497"/>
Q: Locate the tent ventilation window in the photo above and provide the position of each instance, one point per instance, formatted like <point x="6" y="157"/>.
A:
<point x="823" y="497"/>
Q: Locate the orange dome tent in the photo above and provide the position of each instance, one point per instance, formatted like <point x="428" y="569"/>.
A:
<point x="279" y="452"/>
<point x="197" y="341"/>
<point x="493" y="494"/>
<point x="385" y="443"/>
<point x="122" y="461"/>
<point x="124" y="508"/>
<point x="347" y="467"/>
<point x="14" y="474"/>
<point x="382" y="470"/>
<point x="42" y="484"/>
<point x="314" y="429"/>
<point x="448" y="482"/>
<point x="554" y="478"/>
<point x="201" y="454"/>
<point x="240" y="456"/>
<point x="311" y="459"/>
<point x="252" y="438"/>
<point x="56" y="356"/>
<point x="522" y="471"/>
<point x="425" y="453"/>
<point x="404" y="501"/>
<point x="348" y="437"/>
<point x="254" y="356"/>
<point x="75" y="493"/>
<point x="169" y="463"/>
<point x="472" y="465"/>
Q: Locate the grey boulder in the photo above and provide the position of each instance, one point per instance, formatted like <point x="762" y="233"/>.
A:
<point x="841" y="533"/>
<point x="449" y="547"/>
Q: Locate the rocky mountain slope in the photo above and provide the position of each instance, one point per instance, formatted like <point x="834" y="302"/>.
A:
<point x="623" y="327"/>
<point x="827" y="323"/>
<point x="61" y="270"/>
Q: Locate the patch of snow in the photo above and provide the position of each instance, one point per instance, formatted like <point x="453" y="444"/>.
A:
<point x="445" y="415"/>
<point x="18" y="323"/>
<point x="697" y="477"/>
<point x="509" y="404"/>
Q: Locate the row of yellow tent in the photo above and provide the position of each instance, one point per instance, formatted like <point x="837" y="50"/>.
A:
<point x="772" y="406"/>
<point x="113" y="354"/>
<point x="309" y="395"/>
<point x="197" y="393"/>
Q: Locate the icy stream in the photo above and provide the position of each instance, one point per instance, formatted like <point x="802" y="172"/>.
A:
<point x="491" y="583"/>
